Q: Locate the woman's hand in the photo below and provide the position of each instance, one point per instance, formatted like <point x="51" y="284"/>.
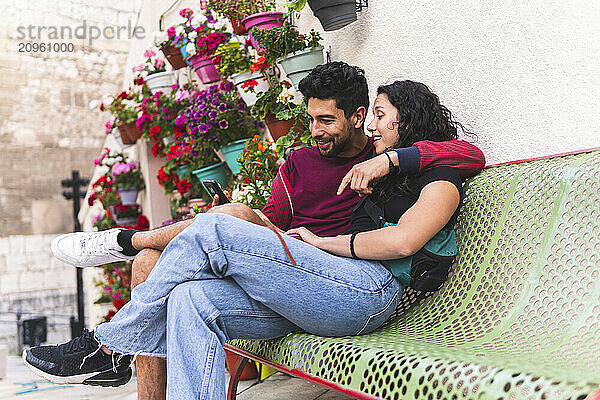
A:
<point x="306" y="236"/>
<point x="363" y="174"/>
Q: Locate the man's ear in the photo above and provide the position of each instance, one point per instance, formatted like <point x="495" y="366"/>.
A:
<point x="358" y="118"/>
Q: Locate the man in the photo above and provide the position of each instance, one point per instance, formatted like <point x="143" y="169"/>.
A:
<point x="244" y="300"/>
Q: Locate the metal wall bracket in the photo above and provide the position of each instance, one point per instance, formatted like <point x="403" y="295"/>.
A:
<point x="360" y="4"/>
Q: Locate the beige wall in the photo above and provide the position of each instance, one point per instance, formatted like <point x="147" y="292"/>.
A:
<point x="522" y="74"/>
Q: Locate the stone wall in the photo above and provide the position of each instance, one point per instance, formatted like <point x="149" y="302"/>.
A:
<point x="46" y="131"/>
<point x="46" y="127"/>
<point x="34" y="282"/>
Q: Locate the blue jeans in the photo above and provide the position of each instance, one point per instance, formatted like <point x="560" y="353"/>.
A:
<point x="224" y="278"/>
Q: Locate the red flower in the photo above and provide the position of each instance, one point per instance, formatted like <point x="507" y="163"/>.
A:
<point x="155" y="130"/>
<point x="249" y="83"/>
<point x="101" y="106"/>
<point x="119" y="303"/>
<point x="287" y="84"/>
<point x="138" y="81"/>
<point x="162" y="176"/>
<point x="178" y="132"/>
<point x="184" y="186"/>
<point x="110" y="314"/>
<point x="156" y="148"/>
<point x="122" y="95"/>
<point x="261" y="63"/>
<point x="142" y="223"/>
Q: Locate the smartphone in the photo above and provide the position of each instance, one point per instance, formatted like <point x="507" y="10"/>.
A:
<point x="213" y="188"/>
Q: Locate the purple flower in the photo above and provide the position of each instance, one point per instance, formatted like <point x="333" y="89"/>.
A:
<point x="203" y="128"/>
<point x="226" y="86"/>
<point x="212" y="114"/>
<point x="180" y="120"/>
<point x="213" y="88"/>
<point x="107" y="290"/>
<point x="222" y="107"/>
<point x="223" y="124"/>
<point x="242" y="106"/>
<point x="215" y="101"/>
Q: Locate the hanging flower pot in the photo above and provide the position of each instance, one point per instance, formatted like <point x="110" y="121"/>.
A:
<point x="277" y="127"/>
<point x="116" y="134"/>
<point x="243" y="78"/>
<point x="205" y="69"/>
<point x="161" y="81"/>
<point x="231" y="152"/>
<point x="174" y="56"/>
<point x="298" y="64"/>
<point x="333" y="14"/>
<point x="129" y="132"/>
<point x="128" y="196"/>
<point x="217" y="172"/>
<point x="262" y="20"/>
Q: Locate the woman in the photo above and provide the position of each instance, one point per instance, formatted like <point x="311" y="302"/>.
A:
<point x="407" y="220"/>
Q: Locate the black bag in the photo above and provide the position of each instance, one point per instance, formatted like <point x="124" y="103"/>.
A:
<point x="428" y="270"/>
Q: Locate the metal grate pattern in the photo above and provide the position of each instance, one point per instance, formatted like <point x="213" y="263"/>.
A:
<point x="519" y="317"/>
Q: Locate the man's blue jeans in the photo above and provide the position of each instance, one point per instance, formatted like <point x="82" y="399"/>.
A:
<point x="223" y="278"/>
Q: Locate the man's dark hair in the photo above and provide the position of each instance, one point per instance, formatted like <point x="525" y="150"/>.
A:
<point x="337" y="80"/>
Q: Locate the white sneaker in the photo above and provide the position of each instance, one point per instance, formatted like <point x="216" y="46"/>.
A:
<point x="89" y="249"/>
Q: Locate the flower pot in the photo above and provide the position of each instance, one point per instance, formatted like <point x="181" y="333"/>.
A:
<point x="128" y="196"/>
<point x="182" y="170"/>
<point x="116" y="134"/>
<point x="333" y="14"/>
<point x="238" y="27"/>
<point x="129" y="133"/>
<point x="174" y="57"/>
<point x="298" y="64"/>
<point x="205" y="69"/>
<point x="250" y="97"/>
<point x="262" y="20"/>
<point x="231" y="152"/>
<point x="217" y="172"/>
<point x="161" y="81"/>
<point x="278" y="128"/>
<point x="249" y="371"/>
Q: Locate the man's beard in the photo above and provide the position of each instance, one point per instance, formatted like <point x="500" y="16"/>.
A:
<point x="336" y="147"/>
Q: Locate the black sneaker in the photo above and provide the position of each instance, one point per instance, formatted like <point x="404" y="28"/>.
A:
<point x="79" y="361"/>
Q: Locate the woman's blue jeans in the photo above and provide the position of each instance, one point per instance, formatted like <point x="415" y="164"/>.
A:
<point x="224" y="278"/>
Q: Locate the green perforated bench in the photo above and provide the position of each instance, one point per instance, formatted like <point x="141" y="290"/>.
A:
<point x="519" y="317"/>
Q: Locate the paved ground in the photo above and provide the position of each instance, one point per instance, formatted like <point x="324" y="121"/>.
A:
<point x="20" y="383"/>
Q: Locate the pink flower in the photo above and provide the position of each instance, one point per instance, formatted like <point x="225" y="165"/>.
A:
<point x="171" y="31"/>
<point x="149" y="53"/>
<point x="137" y="68"/>
<point x="97" y="161"/>
<point x="159" y="63"/>
<point x="108" y="125"/>
<point x="186" y="12"/>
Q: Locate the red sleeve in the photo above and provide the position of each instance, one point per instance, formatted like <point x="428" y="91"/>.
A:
<point x="279" y="206"/>
<point x="464" y="157"/>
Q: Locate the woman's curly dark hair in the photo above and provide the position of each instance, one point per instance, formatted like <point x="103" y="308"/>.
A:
<point x="421" y="117"/>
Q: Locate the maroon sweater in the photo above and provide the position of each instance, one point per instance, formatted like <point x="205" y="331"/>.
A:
<point x="304" y="190"/>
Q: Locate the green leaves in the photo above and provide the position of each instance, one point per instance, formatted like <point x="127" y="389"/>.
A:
<point x="296" y="5"/>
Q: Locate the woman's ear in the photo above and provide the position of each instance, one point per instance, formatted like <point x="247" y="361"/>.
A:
<point x="358" y="118"/>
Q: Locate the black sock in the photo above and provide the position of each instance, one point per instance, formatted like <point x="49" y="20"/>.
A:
<point x="124" y="240"/>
